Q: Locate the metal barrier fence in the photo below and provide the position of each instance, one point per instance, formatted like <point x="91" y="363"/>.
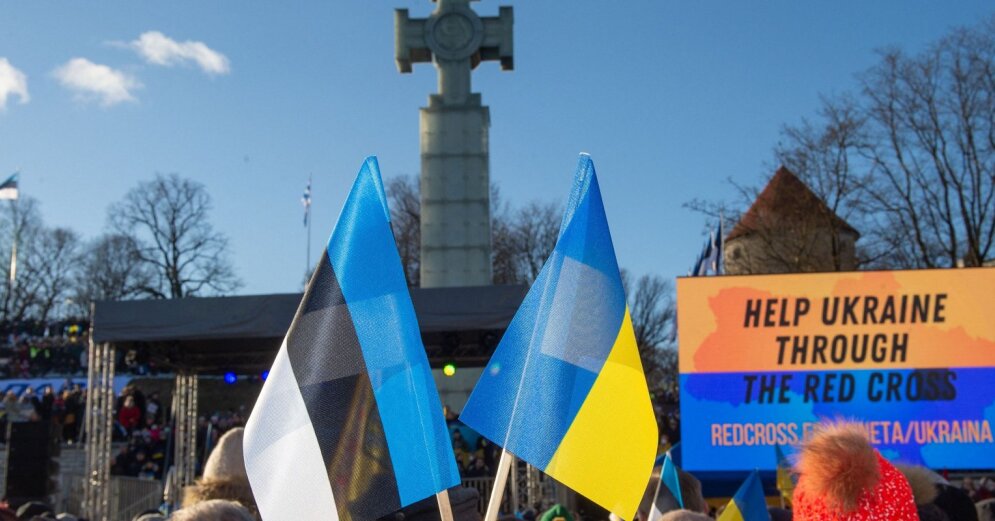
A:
<point x="128" y="496"/>
<point x="484" y="486"/>
<point x="527" y="488"/>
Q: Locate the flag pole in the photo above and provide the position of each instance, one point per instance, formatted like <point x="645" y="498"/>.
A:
<point x="500" y="482"/>
<point x="445" y="507"/>
<point x="13" y="249"/>
<point x="308" y="219"/>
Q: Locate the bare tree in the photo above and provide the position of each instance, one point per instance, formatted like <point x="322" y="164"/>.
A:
<point x="503" y="261"/>
<point x="825" y="155"/>
<point x="405" y="222"/>
<point x="22" y="219"/>
<point x="523" y="240"/>
<point x="110" y="268"/>
<point x="909" y="161"/>
<point x="167" y="218"/>
<point x="653" y="310"/>
<point x="52" y="262"/>
<point x="932" y="119"/>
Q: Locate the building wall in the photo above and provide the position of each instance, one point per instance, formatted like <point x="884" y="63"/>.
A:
<point x="789" y="249"/>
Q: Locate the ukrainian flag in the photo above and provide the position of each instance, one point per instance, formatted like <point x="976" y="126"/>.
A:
<point x="749" y="503"/>
<point x="565" y="389"/>
<point x="785" y="480"/>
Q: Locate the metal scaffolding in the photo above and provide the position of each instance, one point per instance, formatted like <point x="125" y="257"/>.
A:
<point x="98" y="428"/>
<point x="184" y="413"/>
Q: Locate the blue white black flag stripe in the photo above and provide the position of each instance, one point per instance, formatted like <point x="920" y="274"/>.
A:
<point x="668" y="491"/>
<point x="8" y="190"/>
<point x="349" y="424"/>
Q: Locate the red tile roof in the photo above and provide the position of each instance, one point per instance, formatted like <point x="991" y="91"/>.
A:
<point x="785" y="197"/>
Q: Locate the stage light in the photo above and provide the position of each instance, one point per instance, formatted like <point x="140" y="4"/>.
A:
<point x="230" y="378"/>
<point x="449" y="369"/>
<point x="265" y="375"/>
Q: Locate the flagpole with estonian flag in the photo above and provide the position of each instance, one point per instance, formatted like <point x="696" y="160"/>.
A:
<point x="349" y="425"/>
<point x="306" y="202"/>
<point x="9" y="191"/>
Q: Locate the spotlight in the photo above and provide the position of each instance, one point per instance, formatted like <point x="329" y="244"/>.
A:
<point x="449" y="369"/>
<point x="230" y="378"/>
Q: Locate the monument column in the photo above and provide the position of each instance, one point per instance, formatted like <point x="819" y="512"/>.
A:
<point x="455" y="180"/>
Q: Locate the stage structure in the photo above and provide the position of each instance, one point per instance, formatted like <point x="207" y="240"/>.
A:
<point x="211" y="336"/>
<point x="455" y="155"/>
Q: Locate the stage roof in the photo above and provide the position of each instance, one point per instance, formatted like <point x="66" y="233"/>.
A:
<point x="244" y="332"/>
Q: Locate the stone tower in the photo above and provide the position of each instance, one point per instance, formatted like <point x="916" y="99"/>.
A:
<point x="789" y="229"/>
<point x="455" y="180"/>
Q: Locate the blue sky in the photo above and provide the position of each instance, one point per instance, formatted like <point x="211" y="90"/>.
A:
<point x="670" y="98"/>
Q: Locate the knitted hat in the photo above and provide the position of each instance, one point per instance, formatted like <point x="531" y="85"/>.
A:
<point x="986" y="510"/>
<point x="224" y="475"/>
<point x="226" y="459"/>
<point x="558" y="512"/>
<point x="842" y="477"/>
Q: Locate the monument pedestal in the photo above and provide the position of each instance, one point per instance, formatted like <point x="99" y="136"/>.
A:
<point x="455" y="193"/>
<point x="455" y="170"/>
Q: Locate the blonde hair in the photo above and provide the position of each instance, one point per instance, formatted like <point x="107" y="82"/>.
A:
<point x="213" y="510"/>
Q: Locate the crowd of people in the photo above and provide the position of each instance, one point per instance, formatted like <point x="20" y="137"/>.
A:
<point x="139" y="422"/>
<point x="60" y="349"/>
<point x="826" y="472"/>
<point x="64" y="406"/>
<point x="475" y="455"/>
<point x="143" y="425"/>
<point x="28" y="356"/>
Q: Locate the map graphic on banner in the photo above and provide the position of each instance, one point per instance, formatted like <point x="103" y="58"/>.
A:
<point x="910" y="354"/>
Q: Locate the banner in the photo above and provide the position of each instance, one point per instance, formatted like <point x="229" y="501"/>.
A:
<point x="18" y="385"/>
<point x="910" y="354"/>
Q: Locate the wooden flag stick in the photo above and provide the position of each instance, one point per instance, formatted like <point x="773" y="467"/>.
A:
<point x="500" y="482"/>
<point x="445" y="507"/>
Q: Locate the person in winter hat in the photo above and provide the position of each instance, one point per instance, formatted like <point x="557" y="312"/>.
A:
<point x="986" y="510"/>
<point x="843" y="478"/>
<point x="213" y="510"/>
<point x="924" y="492"/>
<point x="955" y="503"/>
<point x="224" y="475"/>
<point x="684" y="515"/>
<point x="557" y="513"/>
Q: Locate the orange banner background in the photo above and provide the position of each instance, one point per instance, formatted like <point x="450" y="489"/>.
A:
<point x="713" y="338"/>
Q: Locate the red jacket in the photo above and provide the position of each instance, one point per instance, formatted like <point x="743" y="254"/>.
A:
<point x="129" y="417"/>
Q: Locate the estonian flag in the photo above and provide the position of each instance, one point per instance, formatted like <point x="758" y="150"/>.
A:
<point x="8" y="190"/>
<point x="749" y="503"/>
<point x="565" y="389"/>
<point x="668" y="491"/>
<point x="349" y="424"/>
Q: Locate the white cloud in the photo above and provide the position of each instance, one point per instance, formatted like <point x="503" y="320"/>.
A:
<point x="92" y="81"/>
<point x="12" y="81"/>
<point x="159" y="49"/>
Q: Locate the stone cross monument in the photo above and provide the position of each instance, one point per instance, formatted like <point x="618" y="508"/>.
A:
<point x="455" y="180"/>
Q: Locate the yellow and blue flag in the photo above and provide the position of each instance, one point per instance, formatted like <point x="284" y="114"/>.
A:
<point x="786" y="481"/>
<point x="348" y="425"/>
<point x="565" y="389"/>
<point x="749" y="503"/>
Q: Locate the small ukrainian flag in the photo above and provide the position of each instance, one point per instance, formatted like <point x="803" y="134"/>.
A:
<point x="749" y="503"/>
